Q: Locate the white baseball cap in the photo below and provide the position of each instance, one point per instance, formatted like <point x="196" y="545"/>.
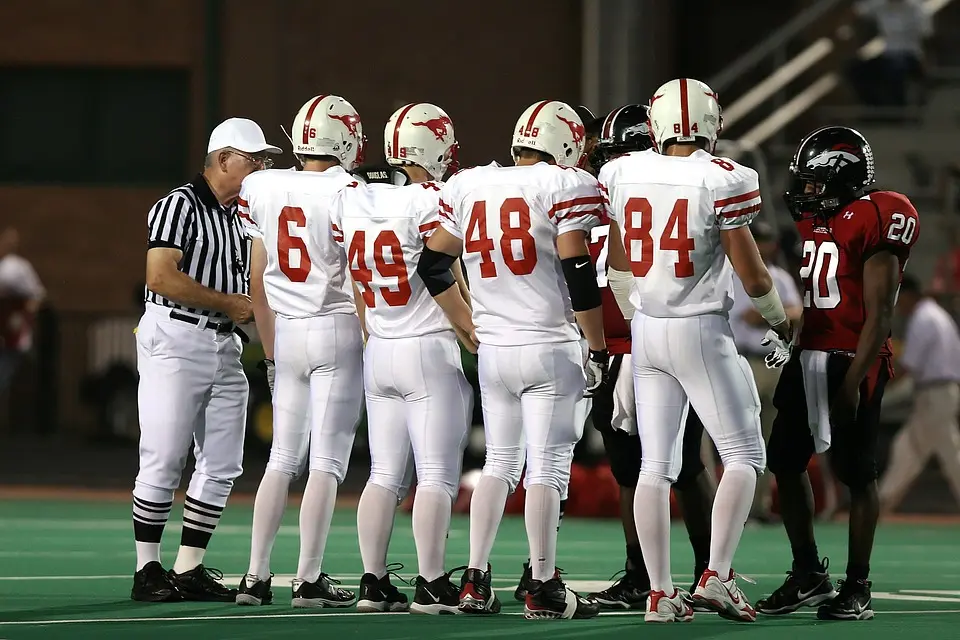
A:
<point x="240" y="134"/>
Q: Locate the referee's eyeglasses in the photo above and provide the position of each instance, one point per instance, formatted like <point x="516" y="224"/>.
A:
<point x="260" y="162"/>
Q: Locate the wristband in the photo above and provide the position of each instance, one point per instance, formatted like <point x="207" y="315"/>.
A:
<point x="770" y="307"/>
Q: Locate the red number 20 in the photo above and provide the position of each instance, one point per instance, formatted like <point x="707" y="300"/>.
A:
<point x="675" y="237"/>
<point x="477" y="241"/>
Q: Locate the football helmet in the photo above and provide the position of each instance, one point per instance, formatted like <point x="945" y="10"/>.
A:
<point x="551" y="127"/>
<point x="832" y="167"/>
<point x="421" y="134"/>
<point x="329" y="126"/>
<point x="683" y="110"/>
<point x="624" y="130"/>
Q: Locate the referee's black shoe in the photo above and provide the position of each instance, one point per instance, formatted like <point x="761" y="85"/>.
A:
<point x="202" y="584"/>
<point x="153" y="584"/>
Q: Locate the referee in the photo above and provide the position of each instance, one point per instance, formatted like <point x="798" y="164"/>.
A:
<point x="192" y="387"/>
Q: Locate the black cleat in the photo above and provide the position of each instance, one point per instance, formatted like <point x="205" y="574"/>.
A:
<point x="524" y="585"/>
<point x="202" y="584"/>
<point x="437" y="597"/>
<point x="853" y="602"/>
<point x="553" y="600"/>
<point x="629" y="592"/>
<point x="799" y="590"/>
<point x="322" y="593"/>
<point x="378" y="595"/>
<point x="153" y="584"/>
<point x="476" y="594"/>
<point x="253" y="591"/>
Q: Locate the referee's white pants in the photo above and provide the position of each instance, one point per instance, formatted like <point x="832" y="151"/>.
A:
<point x="192" y="389"/>
<point x="931" y="431"/>
<point x="419" y="405"/>
<point x="317" y="393"/>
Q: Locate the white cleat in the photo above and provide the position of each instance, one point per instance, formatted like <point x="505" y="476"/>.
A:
<point x="724" y="597"/>
<point x="660" y="608"/>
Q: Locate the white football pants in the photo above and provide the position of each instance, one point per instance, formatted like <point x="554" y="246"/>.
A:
<point x="192" y="389"/>
<point x="419" y="406"/>
<point x="682" y="361"/>
<point x="317" y="393"/>
<point x="530" y="395"/>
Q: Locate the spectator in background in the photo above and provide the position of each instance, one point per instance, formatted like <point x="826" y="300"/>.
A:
<point x="904" y="25"/>
<point x="749" y="327"/>
<point x="931" y="357"/>
<point x="21" y="294"/>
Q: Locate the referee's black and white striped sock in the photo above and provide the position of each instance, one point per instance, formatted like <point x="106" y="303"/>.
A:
<point x="149" y="519"/>
<point x="199" y="522"/>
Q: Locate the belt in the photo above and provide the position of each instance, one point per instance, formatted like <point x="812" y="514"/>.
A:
<point x="219" y="327"/>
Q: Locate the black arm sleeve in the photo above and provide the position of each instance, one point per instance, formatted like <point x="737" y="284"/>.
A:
<point x="582" y="282"/>
<point x="434" y="270"/>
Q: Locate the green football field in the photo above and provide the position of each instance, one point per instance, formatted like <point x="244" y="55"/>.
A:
<point x="65" y="572"/>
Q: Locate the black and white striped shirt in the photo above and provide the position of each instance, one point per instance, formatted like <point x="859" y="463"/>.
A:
<point x="216" y="251"/>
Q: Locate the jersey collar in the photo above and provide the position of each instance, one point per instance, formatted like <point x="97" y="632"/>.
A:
<point x="204" y="192"/>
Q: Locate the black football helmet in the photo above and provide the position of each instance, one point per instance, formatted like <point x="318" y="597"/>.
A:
<point x="832" y="167"/>
<point x="624" y="130"/>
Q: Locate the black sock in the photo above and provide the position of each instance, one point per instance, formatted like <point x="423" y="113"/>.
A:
<point x="701" y="551"/>
<point x="857" y="572"/>
<point x="199" y="522"/>
<point x="806" y="559"/>
<point x="149" y="519"/>
<point x="563" y="507"/>
<point x="636" y="568"/>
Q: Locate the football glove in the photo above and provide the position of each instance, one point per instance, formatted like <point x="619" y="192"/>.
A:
<point x="266" y="365"/>
<point x="597" y="371"/>
<point x="781" y="350"/>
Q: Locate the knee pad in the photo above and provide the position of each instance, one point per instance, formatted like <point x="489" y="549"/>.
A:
<point x="788" y="455"/>
<point x="623" y="454"/>
<point x="652" y="472"/>
<point x="505" y="463"/>
<point x="334" y="467"/>
<point x="550" y="466"/>
<point x="287" y="462"/>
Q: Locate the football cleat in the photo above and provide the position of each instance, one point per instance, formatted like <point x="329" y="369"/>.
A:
<point x="476" y="594"/>
<point x="203" y="584"/>
<point x="520" y="593"/>
<point x="553" y="600"/>
<point x="629" y="592"/>
<point x="800" y="589"/>
<point x="153" y="583"/>
<point x="436" y="597"/>
<point x="253" y="591"/>
<point x="724" y="597"/>
<point x="322" y="593"/>
<point x="675" y="608"/>
<point x="853" y="602"/>
<point x="378" y="595"/>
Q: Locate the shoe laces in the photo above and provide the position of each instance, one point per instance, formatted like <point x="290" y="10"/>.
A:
<point x="210" y="576"/>
<point x="326" y="578"/>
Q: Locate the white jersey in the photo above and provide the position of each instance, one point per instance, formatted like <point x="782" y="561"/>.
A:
<point x="306" y="272"/>
<point x="509" y="219"/>
<point x="383" y="229"/>
<point x="671" y="211"/>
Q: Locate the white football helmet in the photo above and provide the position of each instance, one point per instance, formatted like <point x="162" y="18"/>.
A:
<point x="421" y="134"/>
<point x="551" y="127"/>
<point x="329" y="126"/>
<point x="684" y="110"/>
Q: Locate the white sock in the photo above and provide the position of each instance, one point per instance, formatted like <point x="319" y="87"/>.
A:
<point x="147" y="552"/>
<point x="651" y="510"/>
<point x="486" y="510"/>
<point x="188" y="558"/>
<point x="375" y="515"/>
<point x="730" y="510"/>
<point x="541" y="513"/>
<point x="431" y="522"/>
<point x="268" y="508"/>
<point x="316" y="512"/>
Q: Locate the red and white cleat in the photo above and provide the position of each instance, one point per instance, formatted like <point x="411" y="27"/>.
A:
<point x="660" y="608"/>
<point x="724" y="597"/>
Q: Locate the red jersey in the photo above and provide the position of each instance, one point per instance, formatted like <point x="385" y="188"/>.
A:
<point x="615" y="328"/>
<point x="834" y="252"/>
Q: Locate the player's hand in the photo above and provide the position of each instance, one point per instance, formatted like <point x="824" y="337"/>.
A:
<point x="597" y="371"/>
<point x="240" y="308"/>
<point x="781" y="350"/>
<point x="843" y="409"/>
<point x="266" y="365"/>
<point x="786" y="330"/>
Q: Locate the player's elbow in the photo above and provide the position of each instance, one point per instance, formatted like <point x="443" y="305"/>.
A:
<point x="160" y="272"/>
<point x="757" y="282"/>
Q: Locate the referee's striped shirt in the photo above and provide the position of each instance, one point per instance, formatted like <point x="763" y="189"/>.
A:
<point x="216" y="251"/>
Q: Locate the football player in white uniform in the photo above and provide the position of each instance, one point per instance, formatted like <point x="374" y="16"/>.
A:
<point x="523" y="233"/>
<point x="418" y="400"/>
<point x="299" y="281"/>
<point x="683" y="213"/>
